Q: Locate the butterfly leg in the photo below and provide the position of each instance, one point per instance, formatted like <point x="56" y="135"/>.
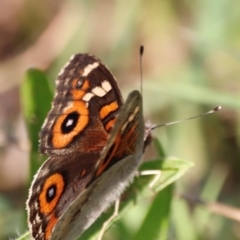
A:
<point x="157" y="174"/>
<point x="106" y="223"/>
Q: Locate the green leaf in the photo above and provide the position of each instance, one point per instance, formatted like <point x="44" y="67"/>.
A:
<point x="156" y="223"/>
<point x="36" y="99"/>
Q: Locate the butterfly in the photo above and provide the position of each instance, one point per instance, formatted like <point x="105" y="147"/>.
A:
<point x="94" y="141"/>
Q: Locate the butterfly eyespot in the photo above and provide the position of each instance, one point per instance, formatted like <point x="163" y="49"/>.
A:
<point x="70" y="122"/>
<point x="51" y="192"/>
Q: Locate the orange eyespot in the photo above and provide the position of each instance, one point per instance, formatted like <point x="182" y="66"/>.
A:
<point x="69" y="124"/>
<point x="51" y="193"/>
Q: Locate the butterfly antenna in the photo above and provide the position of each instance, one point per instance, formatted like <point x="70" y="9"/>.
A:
<point x="141" y="51"/>
<point x="216" y="109"/>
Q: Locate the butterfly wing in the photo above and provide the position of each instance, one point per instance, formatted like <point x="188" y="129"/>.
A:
<point x="85" y="104"/>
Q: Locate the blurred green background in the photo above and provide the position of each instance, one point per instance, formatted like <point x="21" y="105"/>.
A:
<point x="191" y="64"/>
